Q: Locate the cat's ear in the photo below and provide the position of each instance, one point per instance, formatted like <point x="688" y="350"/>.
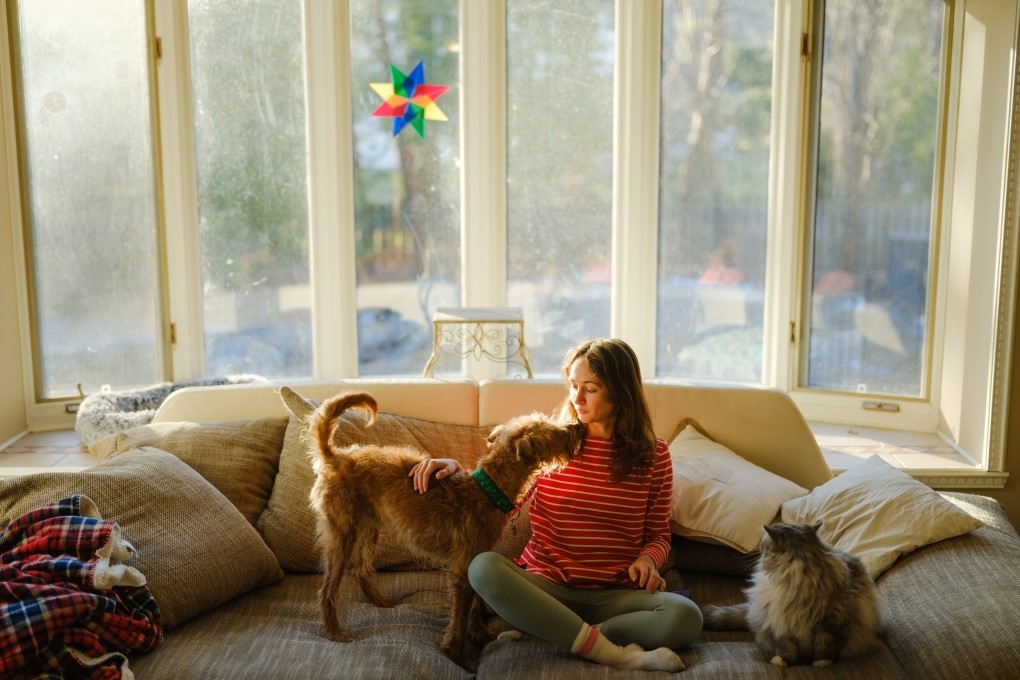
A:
<point x="769" y="530"/>
<point x="816" y="526"/>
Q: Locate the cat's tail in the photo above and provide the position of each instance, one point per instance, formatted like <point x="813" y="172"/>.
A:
<point x="733" y="617"/>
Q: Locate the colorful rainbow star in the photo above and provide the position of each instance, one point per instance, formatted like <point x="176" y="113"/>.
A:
<point x="409" y="99"/>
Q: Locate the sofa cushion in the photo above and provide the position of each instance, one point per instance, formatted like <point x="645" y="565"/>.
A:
<point x="238" y="457"/>
<point x="957" y="601"/>
<point x="879" y="513"/>
<point x="694" y="555"/>
<point x="719" y="496"/>
<point x="193" y="546"/>
<point x="289" y="525"/>
<point x="276" y="632"/>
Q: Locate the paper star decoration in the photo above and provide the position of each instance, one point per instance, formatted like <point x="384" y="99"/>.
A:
<point x="409" y="99"/>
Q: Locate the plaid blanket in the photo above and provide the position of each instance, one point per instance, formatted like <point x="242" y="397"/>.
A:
<point x="69" y="607"/>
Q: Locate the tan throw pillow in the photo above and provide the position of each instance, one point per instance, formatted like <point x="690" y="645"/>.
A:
<point x="238" y="457"/>
<point x="879" y="513"/>
<point x="721" y="497"/>
<point x="194" y="548"/>
<point x="288" y="524"/>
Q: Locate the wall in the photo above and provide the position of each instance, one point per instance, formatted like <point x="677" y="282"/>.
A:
<point x="1009" y="496"/>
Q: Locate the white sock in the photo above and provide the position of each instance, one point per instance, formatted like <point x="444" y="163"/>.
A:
<point x="591" y="644"/>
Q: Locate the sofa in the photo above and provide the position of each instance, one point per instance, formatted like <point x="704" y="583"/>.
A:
<point x="213" y="495"/>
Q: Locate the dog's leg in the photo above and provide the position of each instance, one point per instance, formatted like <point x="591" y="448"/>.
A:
<point x="336" y="548"/>
<point x="457" y="642"/>
<point x="477" y="629"/>
<point x="363" y="564"/>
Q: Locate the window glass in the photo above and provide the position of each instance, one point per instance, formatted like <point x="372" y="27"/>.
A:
<point x="87" y="156"/>
<point x="249" y="119"/>
<point x="713" y="187"/>
<point x="406" y="185"/>
<point x="560" y="62"/>
<point x="876" y="143"/>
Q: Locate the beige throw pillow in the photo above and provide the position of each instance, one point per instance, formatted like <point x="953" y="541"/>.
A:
<point x="238" y="457"/>
<point x="288" y="523"/>
<point x="719" y="496"/>
<point x="194" y="548"/>
<point x="878" y="513"/>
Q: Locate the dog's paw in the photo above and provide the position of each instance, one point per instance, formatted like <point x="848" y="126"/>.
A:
<point x="822" y="663"/>
<point x="514" y="635"/>
<point x="779" y="661"/>
<point x="383" y="601"/>
<point x="337" y="635"/>
<point x="464" y="655"/>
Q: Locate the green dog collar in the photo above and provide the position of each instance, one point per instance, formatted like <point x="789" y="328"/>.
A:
<point x="497" y="497"/>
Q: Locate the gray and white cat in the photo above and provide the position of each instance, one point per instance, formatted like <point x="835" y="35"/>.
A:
<point x="807" y="603"/>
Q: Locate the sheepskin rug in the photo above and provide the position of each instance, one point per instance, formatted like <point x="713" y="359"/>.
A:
<point x="106" y="413"/>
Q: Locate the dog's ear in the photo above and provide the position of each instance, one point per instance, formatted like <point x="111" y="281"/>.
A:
<point x="296" y="404"/>
<point x="522" y="446"/>
<point x="494" y="433"/>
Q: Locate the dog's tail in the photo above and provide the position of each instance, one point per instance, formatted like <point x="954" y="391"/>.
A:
<point x="323" y="419"/>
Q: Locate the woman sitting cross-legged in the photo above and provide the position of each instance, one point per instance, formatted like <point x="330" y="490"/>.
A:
<point x="588" y="579"/>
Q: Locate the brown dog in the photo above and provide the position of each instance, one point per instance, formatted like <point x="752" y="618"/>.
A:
<point x="361" y="489"/>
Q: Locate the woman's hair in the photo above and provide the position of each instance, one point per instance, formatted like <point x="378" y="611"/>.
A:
<point x="614" y="363"/>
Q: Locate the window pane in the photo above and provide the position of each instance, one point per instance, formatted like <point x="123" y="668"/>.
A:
<point x="87" y="155"/>
<point x="713" y="187"/>
<point x="249" y="117"/>
<point x="560" y="61"/>
<point x="406" y="186"/>
<point x="873" y="214"/>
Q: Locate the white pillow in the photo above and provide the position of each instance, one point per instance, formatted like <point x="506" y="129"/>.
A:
<point x="878" y="513"/>
<point x="721" y="497"/>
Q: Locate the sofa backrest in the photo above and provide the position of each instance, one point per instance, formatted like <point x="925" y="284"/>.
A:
<point x="454" y="403"/>
<point x="762" y="425"/>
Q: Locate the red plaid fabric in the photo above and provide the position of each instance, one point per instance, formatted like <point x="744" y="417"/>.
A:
<point x="54" y="621"/>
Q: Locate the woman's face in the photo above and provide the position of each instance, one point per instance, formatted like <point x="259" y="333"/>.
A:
<point x="590" y="398"/>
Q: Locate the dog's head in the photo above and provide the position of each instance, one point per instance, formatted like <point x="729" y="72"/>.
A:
<point x="538" y="440"/>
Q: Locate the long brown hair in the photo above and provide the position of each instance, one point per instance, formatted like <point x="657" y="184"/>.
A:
<point x="614" y="363"/>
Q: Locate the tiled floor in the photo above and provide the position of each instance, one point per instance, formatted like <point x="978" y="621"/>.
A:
<point x="842" y="446"/>
<point x="45" y="450"/>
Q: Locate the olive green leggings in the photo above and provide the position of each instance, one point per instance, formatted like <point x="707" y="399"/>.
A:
<point x="555" y="613"/>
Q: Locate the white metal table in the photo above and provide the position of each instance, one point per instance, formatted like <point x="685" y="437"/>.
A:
<point x="493" y="333"/>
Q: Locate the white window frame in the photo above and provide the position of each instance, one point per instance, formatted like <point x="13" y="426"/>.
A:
<point x="978" y="210"/>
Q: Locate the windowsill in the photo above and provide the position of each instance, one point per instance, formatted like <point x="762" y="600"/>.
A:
<point x="925" y="456"/>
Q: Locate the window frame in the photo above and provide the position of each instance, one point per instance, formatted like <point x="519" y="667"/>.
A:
<point x="972" y="343"/>
<point x="61" y="410"/>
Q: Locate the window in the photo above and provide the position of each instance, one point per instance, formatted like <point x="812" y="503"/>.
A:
<point x="714" y="180"/>
<point x="406" y="185"/>
<point x="249" y="134"/>
<point x="560" y="60"/>
<point x="90" y="195"/>
<point x="870" y="266"/>
<point x="809" y="196"/>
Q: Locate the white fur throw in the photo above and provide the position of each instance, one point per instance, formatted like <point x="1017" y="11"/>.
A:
<point x="106" y="413"/>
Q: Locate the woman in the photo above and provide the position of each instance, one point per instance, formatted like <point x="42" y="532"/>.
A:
<point x="590" y="580"/>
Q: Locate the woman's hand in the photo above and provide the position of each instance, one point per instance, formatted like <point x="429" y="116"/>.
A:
<point x="423" y="471"/>
<point x="644" y="573"/>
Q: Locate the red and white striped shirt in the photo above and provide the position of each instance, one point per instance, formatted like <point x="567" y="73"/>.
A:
<point x="587" y="530"/>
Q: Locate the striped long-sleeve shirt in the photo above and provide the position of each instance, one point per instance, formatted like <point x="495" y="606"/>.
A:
<point x="587" y="530"/>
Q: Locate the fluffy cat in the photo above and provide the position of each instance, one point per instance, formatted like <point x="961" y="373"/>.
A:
<point x="808" y="602"/>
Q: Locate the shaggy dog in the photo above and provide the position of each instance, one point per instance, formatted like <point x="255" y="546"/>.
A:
<point x="361" y="489"/>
